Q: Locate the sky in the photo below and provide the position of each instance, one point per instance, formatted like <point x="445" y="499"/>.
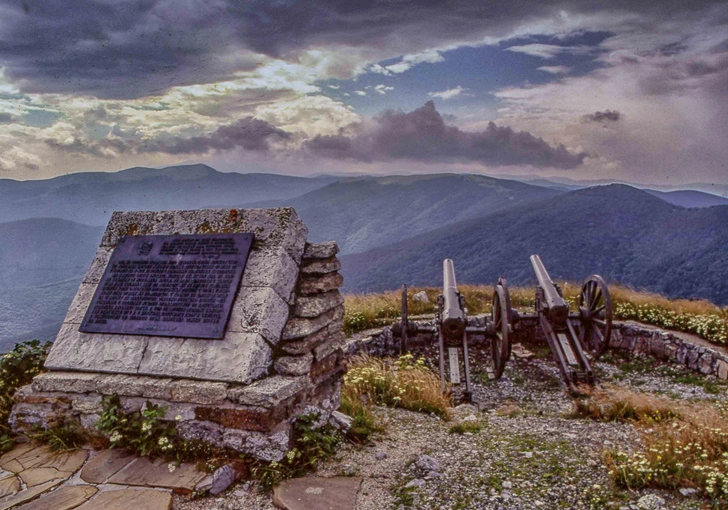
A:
<point x="623" y="90"/>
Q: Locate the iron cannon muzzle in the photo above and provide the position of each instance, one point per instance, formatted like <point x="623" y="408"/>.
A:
<point x="556" y="306"/>
<point x="453" y="315"/>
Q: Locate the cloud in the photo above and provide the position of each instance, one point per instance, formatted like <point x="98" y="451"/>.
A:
<point x="422" y="135"/>
<point x="360" y="92"/>
<point x="249" y="133"/>
<point x="410" y="61"/>
<point x="549" y="50"/>
<point x="383" y="89"/>
<point x="555" y="69"/>
<point x="448" y="94"/>
<point x="605" y="116"/>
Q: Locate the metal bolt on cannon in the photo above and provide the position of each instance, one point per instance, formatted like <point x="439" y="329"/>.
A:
<point x="575" y="339"/>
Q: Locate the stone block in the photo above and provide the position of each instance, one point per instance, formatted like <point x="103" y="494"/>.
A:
<point x="320" y="267"/>
<point x="272" y="268"/>
<point x="692" y="359"/>
<point x="79" y="305"/>
<point x="269" y="392"/>
<point x="705" y="363"/>
<point x="306" y="344"/>
<point x="72" y="382"/>
<point x="205" y="431"/>
<point x="320" y="284"/>
<point x="300" y="327"/>
<point x="323" y="250"/>
<point x="98" y="266"/>
<point x="268" y="447"/>
<point x="87" y="404"/>
<point x="721" y="369"/>
<point x="238" y="357"/>
<point x="293" y="365"/>
<point x="242" y="418"/>
<point x="198" y="392"/>
<point x="317" y="304"/>
<point x="259" y="310"/>
<point x="74" y="350"/>
<point x="326" y="367"/>
<point x="134" y="386"/>
<point x="336" y="342"/>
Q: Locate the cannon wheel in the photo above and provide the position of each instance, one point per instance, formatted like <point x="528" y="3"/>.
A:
<point x="595" y="314"/>
<point x="500" y="345"/>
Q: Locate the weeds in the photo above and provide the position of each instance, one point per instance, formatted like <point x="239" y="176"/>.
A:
<point x="61" y="437"/>
<point x="471" y="427"/>
<point x="403" y="383"/>
<point x="364" y="424"/>
<point x="619" y="404"/>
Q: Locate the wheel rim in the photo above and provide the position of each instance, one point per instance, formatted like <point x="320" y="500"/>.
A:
<point x="595" y="311"/>
<point x="500" y="315"/>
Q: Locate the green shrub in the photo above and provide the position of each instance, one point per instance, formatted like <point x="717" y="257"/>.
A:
<point x="472" y="427"/>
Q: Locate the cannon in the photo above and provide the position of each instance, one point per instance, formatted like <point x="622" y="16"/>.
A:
<point x="450" y="326"/>
<point x="575" y="338"/>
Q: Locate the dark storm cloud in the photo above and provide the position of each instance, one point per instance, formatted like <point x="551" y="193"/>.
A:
<point x="136" y="48"/>
<point x="605" y="116"/>
<point x="248" y="133"/>
<point x="423" y="135"/>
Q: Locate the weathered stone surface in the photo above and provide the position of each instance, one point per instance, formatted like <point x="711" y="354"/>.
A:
<point x="323" y="368"/>
<point x="239" y="357"/>
<point x="26" y="416"/>
<point x="25" y="458"/>
<point x="261" y="446"/>
<point x="95" y="352"/>
<point x="324" y="266"/>
<point x="299" y="328"/>
<point x="705" y="363"/>
<point x="98" y="266"/>
<point x="64" y="498"/>
<point x="174" y="409"/>
<point x="232" y="417"/>
<point x="87" y="404"/>
<point x="722" y="370"/>
<point x="134" y="386"/>
<point x="259" y="310"/>
<point x="317" y="304"/>
<point x="304" y="345"/>
<point x="104" y="465"/>
<point x="26" y="495"/>
<point x="17" y="451"/>
<point x="80" y="303"/>
<point x="268" y="392"/>
<point x="147" y="499"/>
<point x="319" y="284"/>
<point x="9" y="484"/>
<point x="205" y="431"/>
<point x="336" y="342"/>
<point x="198" y="392"/>
<point x="156" y="473"/>
<point x="72" y="382"/>
<point x="293" y="365"/>
<point x="272" y="268"/>
<point x="323" y="250"/>
<point x="51" y="466"/>
<point x="222" y="478"/>
<point x="314" y="493"/>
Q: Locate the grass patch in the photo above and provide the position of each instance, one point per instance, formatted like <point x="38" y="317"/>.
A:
<point x="62" y="437"/>
<point x="684" y="444"/>
<point x="700" y="317"/>
<point x="364" y="423"/>
<point x="472" y="427"/>
<point x="403" y="383"/>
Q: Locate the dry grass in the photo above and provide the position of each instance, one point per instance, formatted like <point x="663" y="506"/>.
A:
<point x="684" y="444"/>
<point x="404" y="383"/>
<point x="364" y="311"/>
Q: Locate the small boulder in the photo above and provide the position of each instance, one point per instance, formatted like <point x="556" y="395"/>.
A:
<point x="223" y="478"/>
<point x="651" y="502"/>
<point x="417" y="482"/>
<point x="425" y="463"/>
<point x="341" y="421"/>
<point x="421" y="297"/>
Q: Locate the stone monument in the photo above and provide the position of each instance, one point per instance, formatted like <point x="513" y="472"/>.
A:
<point x="226" y="316"/>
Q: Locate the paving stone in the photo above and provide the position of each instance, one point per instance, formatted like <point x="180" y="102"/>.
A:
<point x="157" y="473"/>
<point x="64" y="498"/>
<point x="17" y="451"/>
<point x="313" y="493"/>
<point x="104" y="465"/>
<point x="28" y="457"/>
<point x="320" y="250"/>
<point x="9" y="484"/>
<point x="57" y="465"/>
<point x="137" y="499"/>
<point x="26" y="495"/>
<point x="317" y="285"/>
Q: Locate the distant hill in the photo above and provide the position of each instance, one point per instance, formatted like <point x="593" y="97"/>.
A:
<point x="363" y="213"/>
<point x="91" y="197"/>
<point x="624" y="234"/>
<point x="42" y="262"/>
<point x="689" y="199"/>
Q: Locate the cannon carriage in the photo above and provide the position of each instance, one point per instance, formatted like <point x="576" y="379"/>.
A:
<point x="576" y="339"/>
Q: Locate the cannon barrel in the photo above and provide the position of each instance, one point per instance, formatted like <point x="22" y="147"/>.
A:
<point x="453" y="316"/>
<point x="556" y="306"/>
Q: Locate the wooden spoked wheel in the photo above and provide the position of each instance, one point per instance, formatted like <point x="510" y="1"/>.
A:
<point x="500" y="345"/>
<point x="595" y="314"/>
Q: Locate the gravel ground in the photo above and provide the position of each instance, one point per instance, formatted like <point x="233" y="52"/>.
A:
<point x="527" y="455"/>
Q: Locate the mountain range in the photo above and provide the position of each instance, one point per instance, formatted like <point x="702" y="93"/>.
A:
<point x="391" y="230"/>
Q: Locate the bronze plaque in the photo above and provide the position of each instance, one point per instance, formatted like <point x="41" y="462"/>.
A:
<point x="169" y="285"/>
